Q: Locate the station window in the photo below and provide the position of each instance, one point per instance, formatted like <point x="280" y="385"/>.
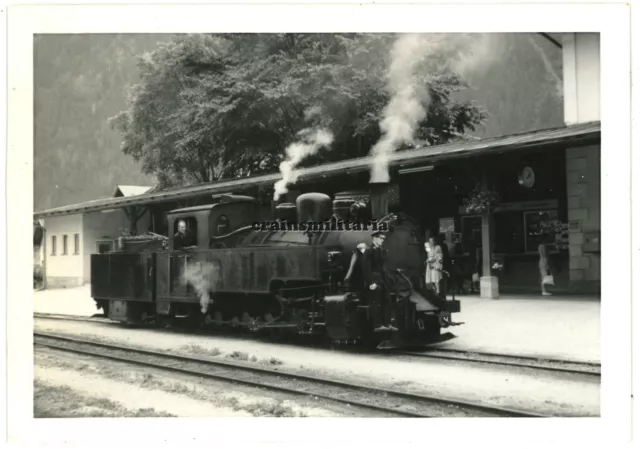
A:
<point x="76" y="244"/>
<point x="65" y="239"/>
<point x="53" y="245"/>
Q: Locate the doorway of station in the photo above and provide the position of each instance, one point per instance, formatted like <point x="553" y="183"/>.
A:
<point x="435" y="195"/>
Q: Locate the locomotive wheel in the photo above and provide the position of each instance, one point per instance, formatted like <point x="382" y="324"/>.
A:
<point x="104" y="305"/>
<point x="163" y="321"/>
<point x="196" y="319"/>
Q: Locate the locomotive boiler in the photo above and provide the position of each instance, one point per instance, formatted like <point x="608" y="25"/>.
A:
<point x="300" y="273"/>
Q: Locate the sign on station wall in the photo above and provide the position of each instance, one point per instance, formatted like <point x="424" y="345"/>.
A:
<point x="447" y="225"/>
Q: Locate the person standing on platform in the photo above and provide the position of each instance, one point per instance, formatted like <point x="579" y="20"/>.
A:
<point x="429" y="251"/>
<point x="433" y="274"/>
<point x="475" y="265"/>
<point x="544" y="265"/>
<point x="546" y="278"/>
<point x="375" y="279"/>
<point x="448" y="280"/>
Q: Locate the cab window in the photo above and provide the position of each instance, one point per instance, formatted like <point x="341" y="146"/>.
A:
<point x="222" y="226"/>
<point x="185" y="232"/>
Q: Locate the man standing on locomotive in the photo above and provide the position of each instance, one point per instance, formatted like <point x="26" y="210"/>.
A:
<point x="374" y="275"/>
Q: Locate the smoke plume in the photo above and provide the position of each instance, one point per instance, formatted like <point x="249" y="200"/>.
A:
<point x="484" y="51"/>
<point x="310" y="141"/>
<point x="201" y="277"/>
<point x="407" y="107"/>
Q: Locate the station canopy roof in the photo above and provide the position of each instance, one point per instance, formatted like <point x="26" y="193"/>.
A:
<point x="565" y="136"/>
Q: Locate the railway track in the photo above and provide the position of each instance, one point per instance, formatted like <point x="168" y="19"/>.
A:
<point x="456" y="355"/>
<point x="544" y="364"/>
<point x="383" y="401"/>
<point x="97" y="318"/>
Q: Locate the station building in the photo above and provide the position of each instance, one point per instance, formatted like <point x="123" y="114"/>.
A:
<point x="553" y="173"/>
<point x="70" y="238"/>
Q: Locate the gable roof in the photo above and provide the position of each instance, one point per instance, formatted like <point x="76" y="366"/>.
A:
<point x="121" y="191"/>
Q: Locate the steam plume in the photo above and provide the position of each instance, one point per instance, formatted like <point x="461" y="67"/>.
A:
<point x="201" y="276"/>
<point x="311" y="140"/>
<point x="407" y="107"/>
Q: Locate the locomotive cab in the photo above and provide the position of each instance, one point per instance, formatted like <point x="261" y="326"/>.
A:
<point x="209" y="224"/>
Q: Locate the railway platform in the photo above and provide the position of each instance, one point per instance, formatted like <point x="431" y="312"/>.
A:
<point x="557" y="327"/>
<point x="65" y="301"/>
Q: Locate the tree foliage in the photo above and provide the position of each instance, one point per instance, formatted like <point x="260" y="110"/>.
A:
<point x="220" y="106"/>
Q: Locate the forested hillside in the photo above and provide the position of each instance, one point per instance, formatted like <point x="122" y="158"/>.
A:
<point x="518" y="80"/>
<point x="81" y="81"/>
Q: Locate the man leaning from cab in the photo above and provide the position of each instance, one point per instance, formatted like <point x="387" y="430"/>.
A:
<point x="182" y="239"/>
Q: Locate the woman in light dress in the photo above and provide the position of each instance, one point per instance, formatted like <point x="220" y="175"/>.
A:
<point x="545" y="269"/>
<point x="433" y="274"/>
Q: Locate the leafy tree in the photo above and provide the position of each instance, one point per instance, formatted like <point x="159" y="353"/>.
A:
<point x="218" y="106"/>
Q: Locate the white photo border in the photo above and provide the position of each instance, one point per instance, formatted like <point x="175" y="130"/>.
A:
<point x="611" y="20"/>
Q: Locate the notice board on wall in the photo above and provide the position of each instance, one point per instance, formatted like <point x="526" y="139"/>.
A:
<point x="447" y="225"/>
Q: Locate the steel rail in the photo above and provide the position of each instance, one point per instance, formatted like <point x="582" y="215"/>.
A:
<point x="537" y="363"/>
<point x="347" y="387"/>
<point x="542" y="364"/>
<point x="524" y="357"/>
<point x="63" y="317"/>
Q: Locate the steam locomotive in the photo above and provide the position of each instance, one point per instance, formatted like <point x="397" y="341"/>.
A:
<point x="283" y="276"/>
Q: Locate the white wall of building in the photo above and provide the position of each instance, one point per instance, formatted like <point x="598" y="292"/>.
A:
<point x="73" y="269"/>
<point x="581" y="77"/>
<point x="63" y="270"/>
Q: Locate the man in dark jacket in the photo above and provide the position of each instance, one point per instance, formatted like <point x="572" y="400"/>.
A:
<point x="449" y="280"/>
<point x="375" y="279"/>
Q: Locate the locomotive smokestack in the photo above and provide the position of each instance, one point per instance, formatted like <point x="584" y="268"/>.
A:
<point x="379" y="197"/>
<point x="286" y="212"/>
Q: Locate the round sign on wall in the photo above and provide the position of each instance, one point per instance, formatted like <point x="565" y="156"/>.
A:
<point x="527" y="177"/>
